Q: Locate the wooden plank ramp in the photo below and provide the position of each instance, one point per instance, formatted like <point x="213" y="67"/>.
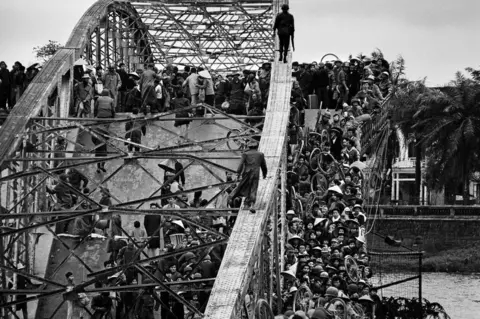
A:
<point x="245" y="241"/>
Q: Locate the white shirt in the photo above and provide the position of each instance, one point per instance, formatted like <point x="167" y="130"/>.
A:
<point x="172" y="206"/>
<point x="158" y="91"/>
<point x="174" y="187"/>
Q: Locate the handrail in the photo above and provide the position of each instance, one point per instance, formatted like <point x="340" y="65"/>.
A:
<point x="419" y="211"/>
<point x="244" y="247"/>
<point x="424" y="206"/>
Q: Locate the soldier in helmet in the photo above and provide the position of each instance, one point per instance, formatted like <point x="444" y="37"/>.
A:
<point x="285" y="26"/>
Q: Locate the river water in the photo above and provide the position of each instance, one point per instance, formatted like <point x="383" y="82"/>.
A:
<point x="458" y="294"/>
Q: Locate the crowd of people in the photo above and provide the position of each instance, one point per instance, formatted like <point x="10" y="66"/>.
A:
<point x="13" y="83"/>
<point x="153" y="91"/>
<point x="100" y="95"/>
<point x="361" y="84"/>
<point x="326" y="218"/>
<point x="156" y="235"/>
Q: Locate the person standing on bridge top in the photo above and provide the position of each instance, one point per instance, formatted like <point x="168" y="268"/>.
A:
<point x="112" y="81"/>
<point x="285" y="26"/>
<point x="249" y="169"/>
<point x="190" y="86"/>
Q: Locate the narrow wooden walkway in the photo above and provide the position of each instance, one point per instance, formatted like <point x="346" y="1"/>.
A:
<point x="244" y="245"/>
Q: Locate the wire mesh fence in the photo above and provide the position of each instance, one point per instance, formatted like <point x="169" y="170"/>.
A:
<point x="396" y="270"/>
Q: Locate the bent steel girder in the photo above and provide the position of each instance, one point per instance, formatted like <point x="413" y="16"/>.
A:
<point x="236" y="34"/>
<point x="118" y="35"/>
<point x="218" y="35"/>
<point x="148" y="154"/>
<point x="49" y="93"/>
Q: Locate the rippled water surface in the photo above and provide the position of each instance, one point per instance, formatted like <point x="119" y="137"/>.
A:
<point x="458" y="294"/>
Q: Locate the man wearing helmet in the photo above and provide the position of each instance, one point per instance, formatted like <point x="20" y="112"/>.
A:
<point x="285" y="26"/>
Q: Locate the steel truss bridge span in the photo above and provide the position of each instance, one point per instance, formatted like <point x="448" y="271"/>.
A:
<point x="219" y="35"/>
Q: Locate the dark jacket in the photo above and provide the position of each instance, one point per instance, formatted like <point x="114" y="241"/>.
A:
<point x="75" y="178"/>
<point x="104" y="107"/>
<point x="179" y="103"/>
<point x="336" y="148"/>
<point x="207" y="269"/>
<point x="152" y="224"/>
<point x="135" y="129"/>
<point x="320" y="79"/>
<point x="253" y="160"/>
<point x="63" y="193"/>
<point x="126" y="255"/>
<point x="305" y="81"/>
<point x="284" y="23"/>
<point x="124" y="79"/>
<point x="181" y="177"/>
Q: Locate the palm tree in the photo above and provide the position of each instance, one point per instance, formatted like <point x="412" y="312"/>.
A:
<point x="474" y="73"/>
<point x="449" y="120"/>
<point x="402" y="107"/>
<point x="377" y="54"/>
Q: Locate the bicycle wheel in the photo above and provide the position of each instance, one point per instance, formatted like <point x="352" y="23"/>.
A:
<point x="319" y="182"/>
<point x="263" y="310"/>
<point x="359" y="310"/>
<point x="302" y="299"/>
<point x="313" y="161"/>
<point x="313" y="137"/>
<point x="352" y="269"/>
<point x="328" y="54"/>
<point x="234" y="140"/>
<point x="326" y="163"/>
<point x="338" y="307"/>
<point x="297" y="206"/>
<point x="299" y="151"/>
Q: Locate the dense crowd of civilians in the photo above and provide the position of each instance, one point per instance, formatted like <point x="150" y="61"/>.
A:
<point x="102" y="96"/>
<point x="154" y="91"/>
<point x="158" y="234"/>
<point x="325" y="218"/>
<point x="13" y="83"/>
<point x="365" y="82"/>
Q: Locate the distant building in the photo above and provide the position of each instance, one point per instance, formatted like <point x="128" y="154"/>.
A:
<point x="403" y="181"/>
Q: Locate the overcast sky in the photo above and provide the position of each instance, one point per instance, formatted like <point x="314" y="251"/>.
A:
<point x="436" y="37"/>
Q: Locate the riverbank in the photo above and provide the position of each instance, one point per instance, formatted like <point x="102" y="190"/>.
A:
<point x="455" y="260"/>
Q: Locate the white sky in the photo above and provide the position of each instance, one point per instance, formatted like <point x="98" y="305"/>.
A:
<point x="436" y="37"/>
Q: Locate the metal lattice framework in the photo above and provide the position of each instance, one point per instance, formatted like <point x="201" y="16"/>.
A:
<point x="221" y="35"/>
<point x="31" y="157"/>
